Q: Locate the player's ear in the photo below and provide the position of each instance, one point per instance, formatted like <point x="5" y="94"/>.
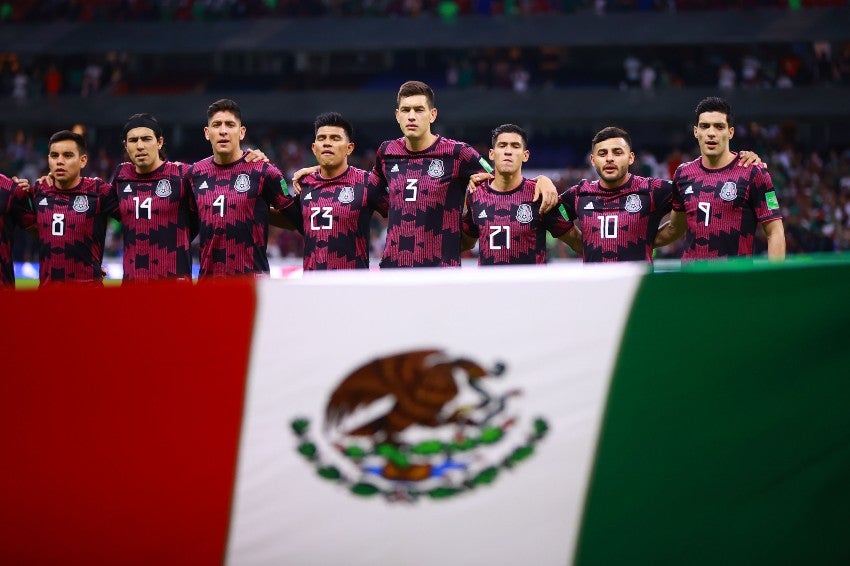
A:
<point x="433" y="115"/>
<point x="695" y="132"/>
<point x="242" y="131"/>
<point x="731" y="132"/>
<point x="206" y="133"/>
<point x="525" y="155"/>
<point x="349" y="149"/>
<point x="84" y="159"/>
<point x="491" y="155"/>
<point x="631" y="157"/>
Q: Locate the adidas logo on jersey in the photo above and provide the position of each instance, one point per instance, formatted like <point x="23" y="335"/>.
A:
<point x="127" y="189"/>
<point x="589" y="206"/>
<point x="204" y="185"/>
<point x="394" y="169"/>
<point x="689" y="190"/>
<point x="483" y="214"/>
<point x="308" y="196"/>
<point x="43" y="202"/>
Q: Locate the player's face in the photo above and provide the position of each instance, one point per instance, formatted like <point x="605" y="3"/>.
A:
<point x="508" y="153"/>
<point x="225" y="132"/>
<point x="713" y="134"/>
<point x="332" y="147"/>
<point x="611" y="159"/>
<point x="415" y="116"/>
<point x="143" y="147"/>
<point x="65" y="163"/>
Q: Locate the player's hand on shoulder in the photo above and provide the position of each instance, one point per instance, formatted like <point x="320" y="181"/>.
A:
<point x="46" y="180"/>
<point x="547" y="192"/>
<point x="22" y="184"/>
<point x="255" y="156"/>
<point x="477" y="179"/>
<point x="747" y="158"/>
<point x="296" y="177"/>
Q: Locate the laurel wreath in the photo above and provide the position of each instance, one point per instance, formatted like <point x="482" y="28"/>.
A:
<point x="401" y="455"/>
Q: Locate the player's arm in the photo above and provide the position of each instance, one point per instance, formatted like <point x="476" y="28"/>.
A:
<point x="671" y="230"/>
<point x="255" y="156"/>
<point x="469" y="230"/>
<point x="747" y="158"/>
<point x="545" y="190"/>
<point x="282" y="219"/>
<point x="775" y="232"/>
<point x="296" y="177"/>
<point x="573" y="239"/>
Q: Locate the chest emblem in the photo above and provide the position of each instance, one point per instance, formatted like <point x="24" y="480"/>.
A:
<point x="346" y="195"/>
<point x="524" y="214"/>
<point x="633" y="203"/>
<point x="81" y="203"/>
<point x="436" y="169"/>
<point x="242" y="184"/>
<point x="163" y="188"/>
<point x="729" y="191"/>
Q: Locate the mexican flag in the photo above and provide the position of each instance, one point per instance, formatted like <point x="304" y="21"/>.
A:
<point x="559" y="415"/>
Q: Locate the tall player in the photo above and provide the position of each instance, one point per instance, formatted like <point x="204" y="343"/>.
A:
<point x="14" y="208"/>
<point x="502" y="216"/>
<point x="156" y="209"/>
<point x="719" y="201"/>
<point x="233" y="198"/>
<point x="338" y="200"/>
<point x="70" y="215"/>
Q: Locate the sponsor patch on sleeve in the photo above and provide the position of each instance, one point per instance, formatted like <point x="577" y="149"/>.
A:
<point x="486" y="165"/>
<point x="771" y="200"/>
<point x="284" y="187"/>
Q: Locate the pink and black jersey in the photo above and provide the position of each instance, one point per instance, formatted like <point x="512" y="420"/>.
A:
<point x="618" y="224"/>
<point x="233" y="212"/>
<point x="509" y="227"/>
<point x="722" y="207"/>
<point x="335" y="214"/>
<point x="71" y="228"/>
<point x="14" y="207"/>
<point x="158" y="221"/>
<point x="426" y="192"/>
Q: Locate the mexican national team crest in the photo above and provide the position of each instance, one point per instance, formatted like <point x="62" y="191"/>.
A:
<point x="436" y="169"/>
<point x="163" y="188"/>
<point x="419" y="424"/>
<point x="633" y="203"/>
<point x="729" y="191"/>
<point x="242" y="184"/>
<point x="346" y="195"/>
<point x="524" y="214"/>
<point x="81" y="203"/>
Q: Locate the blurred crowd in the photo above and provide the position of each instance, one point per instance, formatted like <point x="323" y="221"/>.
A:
<point x="204" y="10"/>
<point x="813" y="187"/>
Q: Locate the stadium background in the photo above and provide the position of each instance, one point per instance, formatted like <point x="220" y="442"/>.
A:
<point x="562" y="69"/>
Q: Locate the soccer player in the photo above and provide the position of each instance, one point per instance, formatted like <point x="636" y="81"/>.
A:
<point x="618" y="215"/>
<point x="502" y="216"/>
<point x="14" y="207"/>
<point x="719" y="201"/>
<point x="338" y="200"/>
<point x="70" y="215"/>
<point x="233" y="198"/>
<point x="156" y="209"/>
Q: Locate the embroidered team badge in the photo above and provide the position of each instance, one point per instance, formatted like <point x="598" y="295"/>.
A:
<point x="729" y="191"/>
<point x="81" y="203"/>
<point x="524" y="214"/>
<point x="346" y="195"/>
<point x="633" y="203"/>
<point x="242" y="184"/>
<point x="436" y="169"/>
<point x="420" y="425"/>
<point x="163" y="188"/>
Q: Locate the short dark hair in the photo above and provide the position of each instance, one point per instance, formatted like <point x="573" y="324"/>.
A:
<point x="509" y="129"/>
<point x="334" y="119"/>
<point x="413" y="88"/>
<point x="611" y="132"/>
<point x="68" y="135"/>
<point x="713" y="104"/>
<point x="224" y="105"/>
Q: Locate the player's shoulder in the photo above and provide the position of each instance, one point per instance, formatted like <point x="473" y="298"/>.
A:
<point x="690" y="167"/>
<point x="392" y="147"/>
<point x="6" y="183"/>
<point x="203" y="165"/>
<point x="124" y="170"/>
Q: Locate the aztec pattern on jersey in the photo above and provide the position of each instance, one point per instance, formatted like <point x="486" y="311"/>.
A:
<point x="336" y="214"/>
<point x="509" y="227"/>
<point x="618" y="224"/>
<point x="723" y="207"/>
<point x="426" y="193"/>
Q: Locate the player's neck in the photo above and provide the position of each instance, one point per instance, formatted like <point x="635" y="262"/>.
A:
<point x="605" y="185"/>
<point x="331" y="172"/>
<point x="229" y="157"/>
<point x="149" y="169"/>
<point x="504" y="182"/>
<point x="717" y="161"/>
<point x="420" y="143"/>
<point x="67" y="185"/>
